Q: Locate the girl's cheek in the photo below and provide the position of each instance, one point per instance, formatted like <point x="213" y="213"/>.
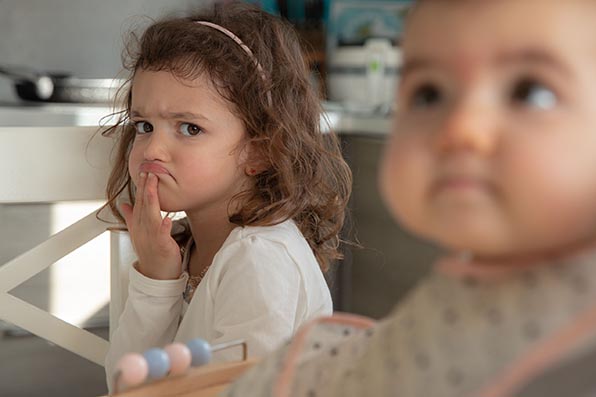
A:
<point x="131" y="170"/>
<point x="134" y="161"/>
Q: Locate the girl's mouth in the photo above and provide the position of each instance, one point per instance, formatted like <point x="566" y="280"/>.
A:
<point x="153" y="168"/>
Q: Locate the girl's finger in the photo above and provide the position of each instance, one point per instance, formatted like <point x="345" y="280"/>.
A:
<point x="139" y="198"/>
<point x="151" y="207"/>
<point x="166" y="226"/>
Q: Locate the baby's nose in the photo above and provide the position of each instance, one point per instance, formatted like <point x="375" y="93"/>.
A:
<point x="469" y="126"/>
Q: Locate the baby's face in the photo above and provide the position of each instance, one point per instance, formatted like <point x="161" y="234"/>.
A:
<point x="494" y="144"/>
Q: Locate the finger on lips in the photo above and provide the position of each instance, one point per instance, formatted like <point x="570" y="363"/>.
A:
<point x="141" y="188"/>
<point x="150" y="207"/>
<point x="150" y="188"/>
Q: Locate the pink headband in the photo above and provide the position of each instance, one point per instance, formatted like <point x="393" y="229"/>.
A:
<point x="244" y="47"/>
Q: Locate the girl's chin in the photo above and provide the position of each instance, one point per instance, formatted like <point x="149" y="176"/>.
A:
<point x="166" y="203"/>
<point x="169" y="209"/>
<point x="165" y="206"/>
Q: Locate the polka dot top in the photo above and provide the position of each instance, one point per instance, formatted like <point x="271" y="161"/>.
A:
<point x="458" y="333"/>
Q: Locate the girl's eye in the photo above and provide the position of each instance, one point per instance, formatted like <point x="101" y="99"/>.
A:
<point x="190" y="129"/>
<point x="426" y="95"/>
<point x="143" y="127"/>
<point x="529" y="92"/>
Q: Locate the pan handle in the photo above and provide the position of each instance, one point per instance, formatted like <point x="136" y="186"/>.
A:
<point x="44" y="84"/>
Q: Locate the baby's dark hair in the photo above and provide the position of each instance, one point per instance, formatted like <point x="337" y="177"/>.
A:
<point x="303" y="174"/>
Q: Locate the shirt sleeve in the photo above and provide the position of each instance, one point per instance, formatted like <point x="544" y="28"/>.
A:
<point x="150" y="317"/>
<point x="258" y="298"/>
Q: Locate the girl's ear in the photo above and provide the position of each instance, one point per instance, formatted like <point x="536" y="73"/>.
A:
<point x="249" y="171"/>
<point x="254" y="162"/>
<point x="254" y="167"/>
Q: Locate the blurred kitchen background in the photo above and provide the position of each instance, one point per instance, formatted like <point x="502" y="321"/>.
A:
<point x="353" y="53"/>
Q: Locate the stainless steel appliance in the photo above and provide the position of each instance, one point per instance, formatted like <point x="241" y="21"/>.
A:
<point x="43" y="86"/>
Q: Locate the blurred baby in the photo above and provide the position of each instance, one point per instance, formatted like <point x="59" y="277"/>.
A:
<point x="493" y="157"/>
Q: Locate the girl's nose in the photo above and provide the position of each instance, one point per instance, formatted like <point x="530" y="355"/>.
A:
<point x="469" y="126"/>
<point x="156" y="147"/>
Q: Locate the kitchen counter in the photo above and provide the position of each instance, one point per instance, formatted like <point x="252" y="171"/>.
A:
<point x="20" y="114"/>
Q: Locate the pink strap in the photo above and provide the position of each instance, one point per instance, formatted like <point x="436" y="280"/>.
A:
<point x="244" y="47"/>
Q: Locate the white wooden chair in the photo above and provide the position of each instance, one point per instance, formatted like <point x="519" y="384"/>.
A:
<point x="52" y="164"/>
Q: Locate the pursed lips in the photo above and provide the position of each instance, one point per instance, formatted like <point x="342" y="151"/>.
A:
<point x="154" y="168"/>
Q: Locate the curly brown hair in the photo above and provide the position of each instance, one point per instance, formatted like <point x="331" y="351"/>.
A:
<point x="304" y="177"/>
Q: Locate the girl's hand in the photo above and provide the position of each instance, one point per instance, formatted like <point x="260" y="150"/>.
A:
<point x="158" y="253"/>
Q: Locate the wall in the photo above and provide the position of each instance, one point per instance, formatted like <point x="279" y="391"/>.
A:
<point x="83" y="37"/>
<point x="390" y="260"/>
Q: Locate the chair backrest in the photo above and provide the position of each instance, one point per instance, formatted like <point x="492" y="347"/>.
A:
<point x="53" y="164"/>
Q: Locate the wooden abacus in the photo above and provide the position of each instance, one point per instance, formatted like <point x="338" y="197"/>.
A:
<point x="180" y="370"/>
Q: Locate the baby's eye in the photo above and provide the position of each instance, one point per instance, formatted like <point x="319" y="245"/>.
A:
<point x="426" y="95"/>
<point x="189" y="129"/>
<point x="529" y="92"/>
<point x="143" y="127"/>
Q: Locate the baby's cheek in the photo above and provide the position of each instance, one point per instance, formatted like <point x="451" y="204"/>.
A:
<point x="389" y="174"/>
<point x="401" y="189"/>
<point x="558" y="217"/>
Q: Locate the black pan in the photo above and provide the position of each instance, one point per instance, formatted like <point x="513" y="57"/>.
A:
<point x="32" y="85"/>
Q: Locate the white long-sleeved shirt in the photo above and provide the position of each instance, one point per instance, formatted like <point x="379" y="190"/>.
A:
<point x="262" y="285"/>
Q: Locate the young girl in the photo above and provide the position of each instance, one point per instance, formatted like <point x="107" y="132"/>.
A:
<point x="221" y="123"/>
<point x="492" y="156"/>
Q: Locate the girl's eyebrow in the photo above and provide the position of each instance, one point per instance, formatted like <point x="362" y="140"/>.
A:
<point x="183" y="115"/>
<point x="173" y="115"/>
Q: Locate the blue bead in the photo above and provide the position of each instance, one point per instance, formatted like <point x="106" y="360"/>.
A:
<point x="158" y="363"/>
<point x="200" y="351"/>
